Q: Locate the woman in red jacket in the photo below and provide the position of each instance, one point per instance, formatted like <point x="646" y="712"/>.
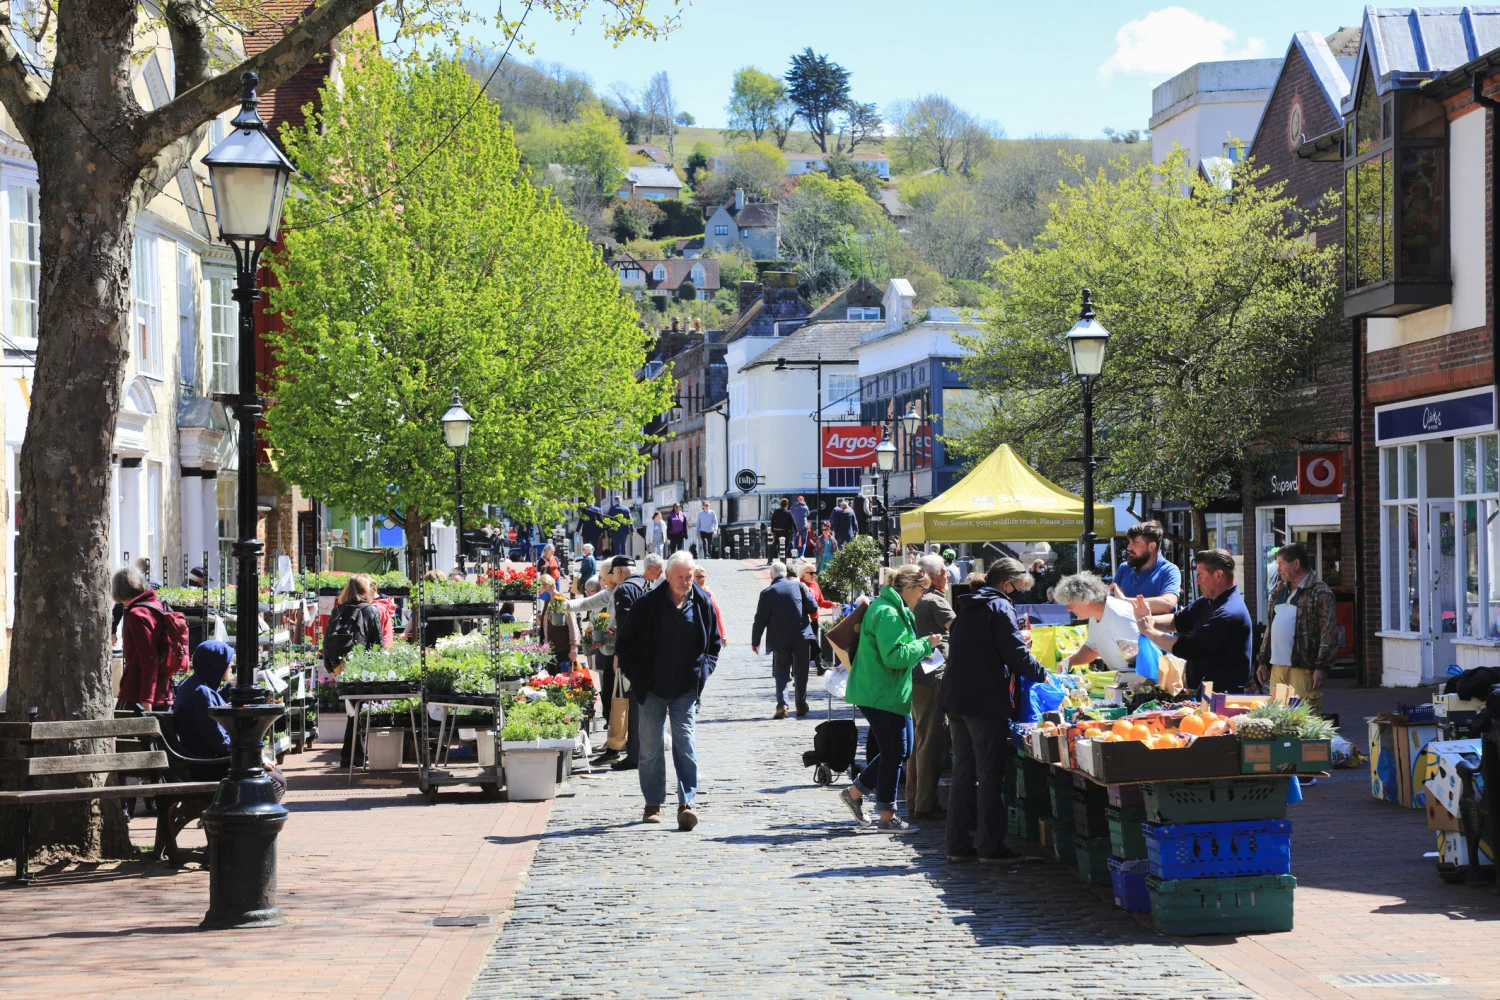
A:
<point x="808" y="574"/>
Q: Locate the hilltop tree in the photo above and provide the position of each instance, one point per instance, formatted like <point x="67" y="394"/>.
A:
<point x="464" y="276"/>
<point x="818" y="88"/>
<point x="756" y="102"/>
<point x="101" y="157"/>
<point x="594" y="153"/>
<point x="862" y="122"/>
<point x="933" y="131"/>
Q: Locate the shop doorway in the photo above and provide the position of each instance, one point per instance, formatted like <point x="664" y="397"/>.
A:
<point x="1443" y="626"/>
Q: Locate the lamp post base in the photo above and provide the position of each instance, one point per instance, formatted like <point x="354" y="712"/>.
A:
<point x="242" y="827"/>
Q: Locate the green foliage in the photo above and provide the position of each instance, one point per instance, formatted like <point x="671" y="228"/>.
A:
<point x="532" y="720"/>
<point x="838" y="166"/>
<point x="817" y="87"/>
<point x="853" y="569"/>
<point x="697" y="161"/>
<point x="464" y="275"/>
<point x="593" y="151"/>
<point x="401" y="662"/>
<point x="679" y="218"/>
<point x="757" y="102"/>
<point x="1216" y="308"/>
<point x="635" y="218"/>
<point x="834" y="232"/>
<point x="454" y="592"/>
<point x="758" y="167"/>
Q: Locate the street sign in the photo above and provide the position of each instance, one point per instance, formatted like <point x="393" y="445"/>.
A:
<point x="746" y="480"/>
<point x="809" y="475"/>
<point x="867" y="490"/>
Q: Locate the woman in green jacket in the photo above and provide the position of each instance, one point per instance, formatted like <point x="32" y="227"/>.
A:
<point x="880" y="685"/>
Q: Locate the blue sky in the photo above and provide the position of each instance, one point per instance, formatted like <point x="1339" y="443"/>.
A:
<point x="1064" y="66"/>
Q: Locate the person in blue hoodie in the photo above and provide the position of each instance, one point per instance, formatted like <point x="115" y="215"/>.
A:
<point x="199" y="733"/>
<point x="985" y="652"/>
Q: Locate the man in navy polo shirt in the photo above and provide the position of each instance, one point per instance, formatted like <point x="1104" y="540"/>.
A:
<point x="1145" y="573"/>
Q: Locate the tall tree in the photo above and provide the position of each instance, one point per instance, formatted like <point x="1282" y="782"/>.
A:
<point x="933" y="131"/>
<point x="1216" y="308"/>
<point x="663" y="105"/>
<point x="101" y="157"/>
<point x="756" y="102"/>
<point x="463" y="276"/>
<point x="818" y="88"/>
<point x="592" y="150"/>
<point x="862" y="122"/>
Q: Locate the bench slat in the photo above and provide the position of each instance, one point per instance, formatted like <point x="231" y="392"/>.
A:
<point x="86" y="763"/>
<point x="79" y="729"/>
<point x="176" y="788"/>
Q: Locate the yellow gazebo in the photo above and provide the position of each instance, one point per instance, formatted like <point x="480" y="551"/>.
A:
<point x="1004" y="500"/>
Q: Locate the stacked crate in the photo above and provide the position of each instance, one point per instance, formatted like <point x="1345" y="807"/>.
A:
<point x="1126" y="816"/>
<point x="1060" y="800"/>
<point x="1090" y="831"/>
<point x="1219" y="855"/>
<point x="1030" y="804"/>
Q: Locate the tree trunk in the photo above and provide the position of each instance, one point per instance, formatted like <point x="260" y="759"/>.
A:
<point x="416" y="540"/>
<point x="60" y="653"/>
<point x="1200" y="529"/>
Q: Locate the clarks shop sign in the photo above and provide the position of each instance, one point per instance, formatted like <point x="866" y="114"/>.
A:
<point x="1442" y="416"/>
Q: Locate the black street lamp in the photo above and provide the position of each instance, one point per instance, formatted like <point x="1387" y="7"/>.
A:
<point x="1086" y="346"/>
<point x="911" y="422"/>
<point x="249" y="176"/>
<point x="783" y="365"/>
<point x="885" y="461"/>
<point x="456" y="423"/>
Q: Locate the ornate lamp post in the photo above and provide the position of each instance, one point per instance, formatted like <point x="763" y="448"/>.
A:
<point x="249" y="176"/>
<point x="885" y="461"/>
<point x="456" y="423"/>
<point x="1087" y="342"/>
<point x="911" y="422"/>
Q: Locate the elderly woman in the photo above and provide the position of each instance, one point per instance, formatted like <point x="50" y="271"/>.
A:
<point x="700" y="577"/>
<point x="986" y="652"/>
<point x="880" y="686"/>
<point x="557" y="624"/>
<point x="547" y="562"/>
<point x="1113" y="632"/>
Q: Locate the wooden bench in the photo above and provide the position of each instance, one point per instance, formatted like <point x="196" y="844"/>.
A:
<point x="168" y="795"/>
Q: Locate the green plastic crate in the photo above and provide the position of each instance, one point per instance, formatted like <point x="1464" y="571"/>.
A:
<point x="1126" y="839"/>
<point x="1033" y="782"/>
<point x="1091" y="855"/>
<point x="1215" y="800"/>
<point x="1022" y="822"/>
<point x="1187" y="907"/>
<point x="1060" y="795"/>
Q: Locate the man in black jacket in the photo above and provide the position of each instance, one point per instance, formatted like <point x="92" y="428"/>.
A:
<point x="985" y="652"/>
<point x="627" y="593"/>
<point x="784" y="616"/>
<point x="668" y="646"/>
<point x="783" y="527"/>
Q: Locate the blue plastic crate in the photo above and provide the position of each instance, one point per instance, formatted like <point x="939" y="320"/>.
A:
<point x="1219" y="850"/>
<point x="1129" y="881"/>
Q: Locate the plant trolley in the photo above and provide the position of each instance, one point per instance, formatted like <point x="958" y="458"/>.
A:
<point x="437" y="771"/>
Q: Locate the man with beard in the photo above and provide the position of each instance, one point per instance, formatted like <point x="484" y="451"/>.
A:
<point x="1145" y="573"/>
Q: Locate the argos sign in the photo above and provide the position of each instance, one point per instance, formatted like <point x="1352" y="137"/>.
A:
<point x="850" y="446"/>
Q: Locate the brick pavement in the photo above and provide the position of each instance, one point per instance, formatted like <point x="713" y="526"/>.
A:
<point x="777" y="895"/>
<point x="362" y="870"/>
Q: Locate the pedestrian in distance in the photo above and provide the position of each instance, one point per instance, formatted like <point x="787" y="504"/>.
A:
<point x="933" y="614"/>
<point x="621" y="524"/>
<point x="880" y="686"/>
<point x="708" y="529"/>
<point x="799" y="520"/>
<point x="986" y="654"/>
<point x="588" y="566"/>
<point x="807" y="574"/>
<point x="354" y="624"/>
<point x="146" y="680"/>
<point x="845" y="524"/>
<point x="626" y="594"/>
<point x="783" y="616"/>
<point x="700" y="577"/>
<point x="1302" y="635"/>
<point x="783" y="528"/>
<point x="656" y="536"/>
<point x="828" y="546"/>
<point x="669" y="647"/>
<point x="547" y="562"/>
<point x="677" y="526"/>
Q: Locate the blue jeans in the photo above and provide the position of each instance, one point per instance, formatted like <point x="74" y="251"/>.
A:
<point x="799" y="542"/>
<point x="891" y="736"/>
<point x="683" y="711"/>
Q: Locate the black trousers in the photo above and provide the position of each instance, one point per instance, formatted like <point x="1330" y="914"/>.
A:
<point x="976" y="803"/>
<point x="606" y="667"/>
<point x="791" y="664"/>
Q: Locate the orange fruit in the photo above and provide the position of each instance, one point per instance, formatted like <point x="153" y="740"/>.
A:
<point x="1140" y="732"/>
<point x="1208" y="718"/>
<point x="1192" y="725"/>
<point x="1167" y="742"/>
<point x="1112" y="738"/>
<point x="1092" y="731"/>
<point x="1121" y="728"/>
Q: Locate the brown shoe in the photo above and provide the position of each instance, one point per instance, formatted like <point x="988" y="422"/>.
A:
<point x="686" y="818"/>
<point x="780" y="712"/>
<point x="652" y="815"/>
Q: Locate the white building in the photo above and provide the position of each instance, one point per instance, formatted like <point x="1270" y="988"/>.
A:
<point x="1209" y="107"/>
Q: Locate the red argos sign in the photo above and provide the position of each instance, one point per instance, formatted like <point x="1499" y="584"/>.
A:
<point x="850" y="446"/>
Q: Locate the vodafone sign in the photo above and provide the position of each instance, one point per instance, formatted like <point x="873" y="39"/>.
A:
<point x="1320" y="473"/>
<point x="850" y="446"/>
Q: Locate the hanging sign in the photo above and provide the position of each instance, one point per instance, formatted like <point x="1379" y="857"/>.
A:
<point x="1320" y="473"/>
<point x="850" y="446"/>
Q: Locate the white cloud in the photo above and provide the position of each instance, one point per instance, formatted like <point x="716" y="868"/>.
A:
<point x="1167" y="41"/>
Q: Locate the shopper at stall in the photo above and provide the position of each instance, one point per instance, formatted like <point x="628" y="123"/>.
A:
<point x="668" y="647"/>
<point x="1213" y="633"/>
<point x="845" y="524"/>
<point x="950" y="563"/>
<point x="800" y="514"/>
<point x="986" y="654"/>
<point x="933" y="614"/>
<point x="1113" y="634"/>
<point x="656" y="535"/>
<point x="558" y="625"/>
<point x="880" y="686"/>
<point x="677" y="526"/>
<point x="783" y="616"/>
<point x="783" y="528"/>
<point x="1302" y="634"/>
<point x="588" y="566"/>
<point x="354" y="623"/>
<point x="1146" y="572"/>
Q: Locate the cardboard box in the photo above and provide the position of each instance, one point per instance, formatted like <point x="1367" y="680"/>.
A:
<point x="1285" y="755"/>
<point x="1451" y="706"/>
<point x="1441" y="819"/>
<point x="1383" y="769"/>
<point x="1453" y="849"/>
<point x="1439" y="770"/>
<point x="1410" y="739"/>
<point x="1129" y="762"/>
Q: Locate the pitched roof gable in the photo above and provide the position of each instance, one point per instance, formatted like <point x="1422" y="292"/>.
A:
<point x="1406" y="46"/>
<point x="679" y="270"/>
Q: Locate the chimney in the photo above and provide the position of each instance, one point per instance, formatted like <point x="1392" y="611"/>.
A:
<point x="739" y="199"/>
<point x="749" y="292"/>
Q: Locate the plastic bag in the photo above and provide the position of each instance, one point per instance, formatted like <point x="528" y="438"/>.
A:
<point x="1342" y="753"/>
<point x="836" y="681"/>
<point x="1148" y="659"/>
<point x="1044" y="645"/>
<point x="1039" y="698"/>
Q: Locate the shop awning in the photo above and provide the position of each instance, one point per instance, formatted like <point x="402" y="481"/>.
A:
<point x="1004" y="500"/>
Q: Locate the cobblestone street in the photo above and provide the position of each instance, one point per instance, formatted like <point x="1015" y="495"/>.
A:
<point x="778" y="894"/>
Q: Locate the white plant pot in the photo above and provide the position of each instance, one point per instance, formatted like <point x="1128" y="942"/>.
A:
<point x="385" y="749"/>
<point x="331" y="726"/>
<point x="484" y="739"/>
<point x="530" y="775"/>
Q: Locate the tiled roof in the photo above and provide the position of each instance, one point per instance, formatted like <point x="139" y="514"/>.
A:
<point x="696" y="243"/>
<point x="678" y="271"/>
<point x="755" y="215"/>
<point x="654" y="177"/>
<point x="833" y="341"/>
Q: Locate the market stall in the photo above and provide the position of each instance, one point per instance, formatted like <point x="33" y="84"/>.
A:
<point x="1003" y="500"/>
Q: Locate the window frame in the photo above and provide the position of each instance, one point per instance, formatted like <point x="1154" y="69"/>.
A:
<point x="145" y="277"/>
<point x="33" y="227"/>
<point x="1483" y="492"/>
<point x="228" y="311"/>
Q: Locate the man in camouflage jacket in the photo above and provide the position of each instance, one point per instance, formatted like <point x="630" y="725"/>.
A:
<point x="1315" y="639"/>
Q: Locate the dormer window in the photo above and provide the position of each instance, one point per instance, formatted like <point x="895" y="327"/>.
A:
<point x="1396" y="202"/>
<point x="862" y="312"/>
<point x="660" y="274"/>
<point x="697" y="274"/>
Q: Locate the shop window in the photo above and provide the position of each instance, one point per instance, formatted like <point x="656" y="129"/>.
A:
<point x="1400" y="528"/>
<point x="843" y="478"/>
<point x="1478" y="543"/>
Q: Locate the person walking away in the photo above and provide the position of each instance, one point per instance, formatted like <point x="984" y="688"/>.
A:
<point x="1212" y="634"/>
<point x="622" y="523"/>
<point x="668" y="648"/>
<point x="880" y="686"/>
<point x="828" y="546"/>
<point x="590" y="525"/>
<point x="198" y="732"/>
<point x="627" y="594"/>
<point x="1146" y="573"/>
<point x="845" y="525"/>
<point x="700" y="577"/>
<point x="1113" y="634"/>
<point x="932" y="616"/>
<point x="708" y="528"/>
<point x="588" y="566"/>
<point x="783" y="527"/>
<point x="676" y="529"/>
<point x="1302" y="635"/>
<point x="986" y="654"/>
<point x="807" y="573"/>
<point x="656" y="536"/>
<point x="354" y="624"/>
<point x="145" y="681"/>
<point x="783" y="617"/>
<point x="799" y="520"/>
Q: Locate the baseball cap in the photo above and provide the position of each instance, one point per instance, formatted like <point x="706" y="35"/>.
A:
<point x="622" y="562"/>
